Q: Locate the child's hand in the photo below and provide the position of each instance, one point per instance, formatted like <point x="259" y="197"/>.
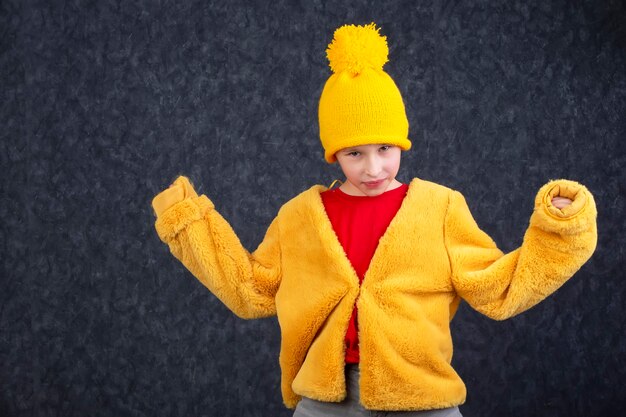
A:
<point x="561" y="202"/>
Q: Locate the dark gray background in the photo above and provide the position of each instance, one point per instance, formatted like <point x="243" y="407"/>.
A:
<point x="104" y="103"/>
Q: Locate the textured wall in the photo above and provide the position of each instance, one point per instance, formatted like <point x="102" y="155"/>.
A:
<point x="104" y="103"/>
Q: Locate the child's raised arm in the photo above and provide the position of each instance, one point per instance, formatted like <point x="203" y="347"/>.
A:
<point x="204" y="242"/>
<point x="556" y="244"/>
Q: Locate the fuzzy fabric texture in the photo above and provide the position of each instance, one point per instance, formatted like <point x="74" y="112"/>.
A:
<point x="432" y="255"/>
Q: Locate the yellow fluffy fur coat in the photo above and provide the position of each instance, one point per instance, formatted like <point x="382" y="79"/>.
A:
<point x="432" y="255"/>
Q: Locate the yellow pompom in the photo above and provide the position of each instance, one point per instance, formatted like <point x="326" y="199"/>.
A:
<point x="355" y="48"/>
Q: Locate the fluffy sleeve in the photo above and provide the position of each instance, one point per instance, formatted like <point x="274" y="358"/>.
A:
<point x="556" y="244"/>
<point x="205" y="243"/>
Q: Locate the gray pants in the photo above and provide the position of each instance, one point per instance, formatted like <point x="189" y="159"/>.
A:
<point x="350" y="407"/>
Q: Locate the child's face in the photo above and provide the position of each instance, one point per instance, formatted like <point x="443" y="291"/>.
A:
<point x="370" y="170"/>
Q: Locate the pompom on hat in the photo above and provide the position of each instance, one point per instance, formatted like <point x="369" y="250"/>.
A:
<point x="360" y="103"/>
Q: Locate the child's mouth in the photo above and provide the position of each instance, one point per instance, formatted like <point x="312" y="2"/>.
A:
<point x="374" y="184"/>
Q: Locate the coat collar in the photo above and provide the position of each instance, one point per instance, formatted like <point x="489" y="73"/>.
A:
<point x="317" y="212"/>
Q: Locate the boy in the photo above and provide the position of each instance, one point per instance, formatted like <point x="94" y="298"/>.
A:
<point x="365" y="278"/>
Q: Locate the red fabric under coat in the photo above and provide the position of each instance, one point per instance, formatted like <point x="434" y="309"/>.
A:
<point x="359" y="223"/>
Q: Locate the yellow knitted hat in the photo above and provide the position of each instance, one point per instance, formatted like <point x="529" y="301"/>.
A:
<point x="360" y="103"/>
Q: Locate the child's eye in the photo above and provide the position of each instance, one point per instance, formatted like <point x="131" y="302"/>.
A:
<point x="385" y="148"/>
<point x="353" y="153"/>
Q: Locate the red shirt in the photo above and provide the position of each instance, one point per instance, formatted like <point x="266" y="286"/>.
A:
<point x="359" y="223"/>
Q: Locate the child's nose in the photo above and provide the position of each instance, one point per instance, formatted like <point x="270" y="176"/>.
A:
<point x="373" y="166"/>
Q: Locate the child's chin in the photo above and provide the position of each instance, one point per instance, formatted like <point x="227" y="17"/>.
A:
<point x="373" y="192"/>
